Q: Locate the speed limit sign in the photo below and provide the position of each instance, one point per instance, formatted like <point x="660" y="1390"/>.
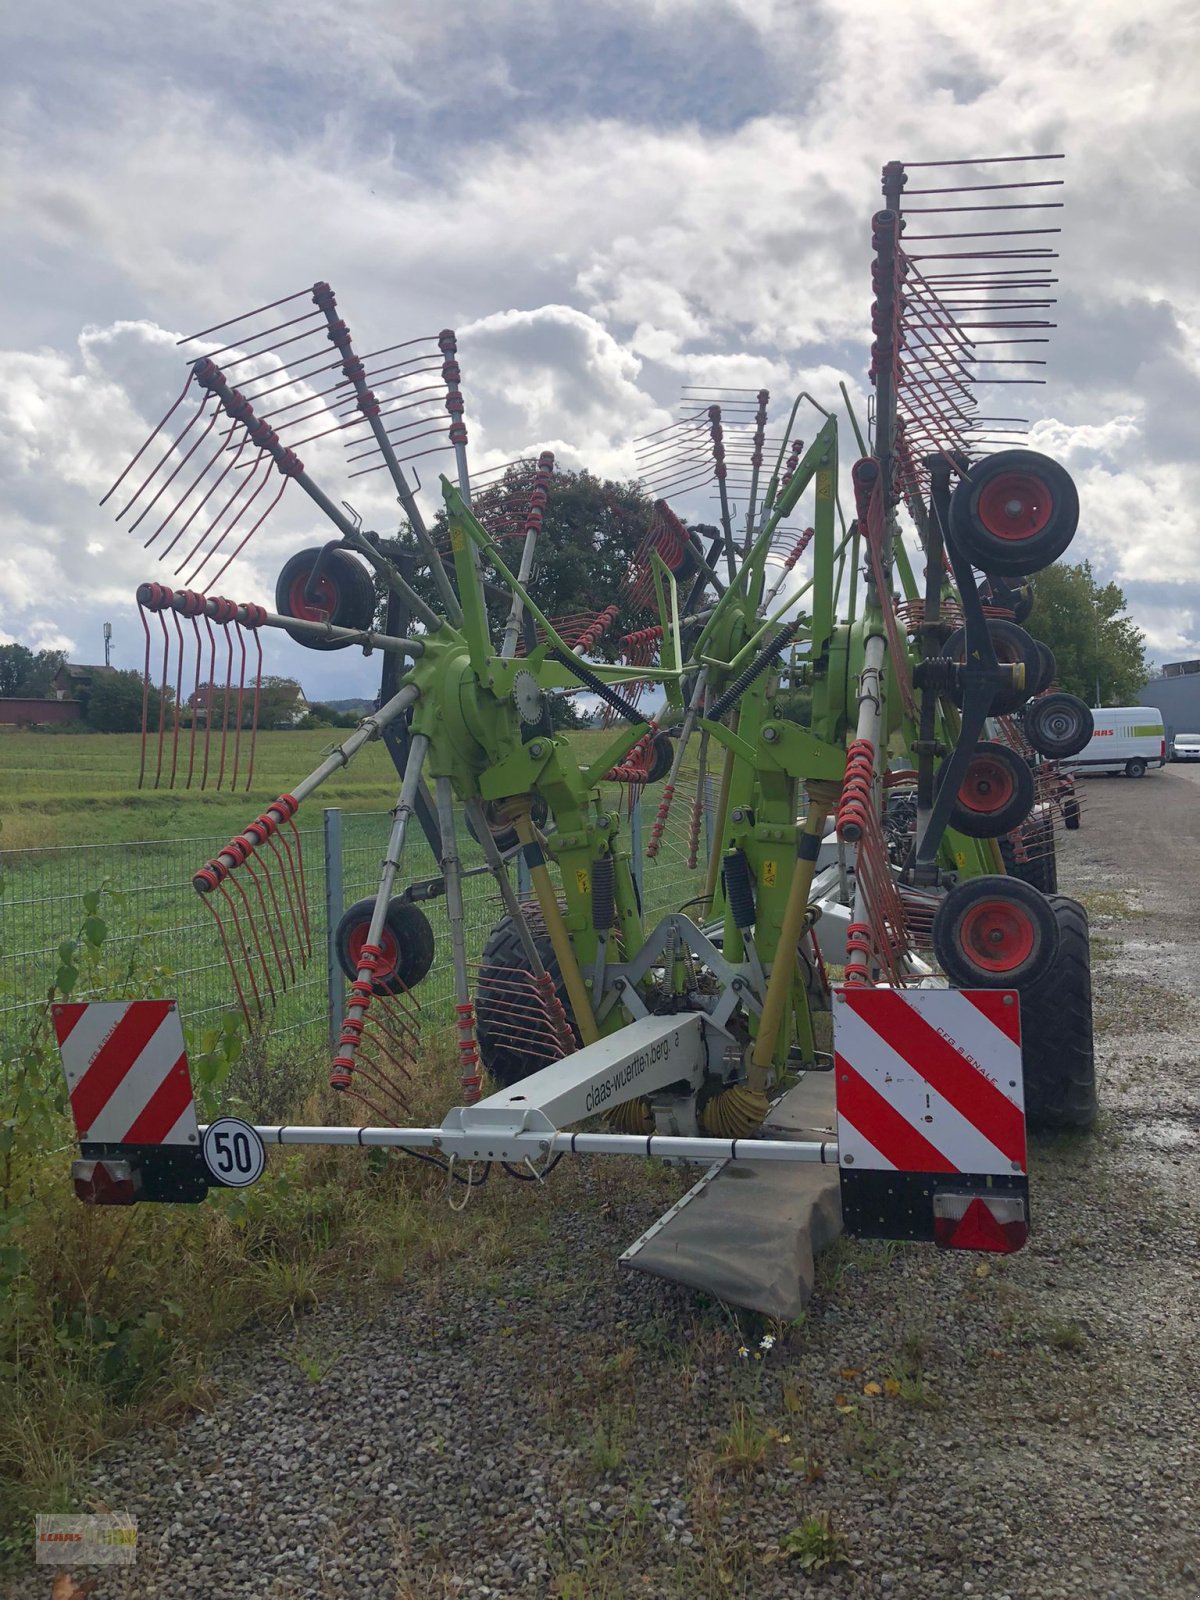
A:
<point x="234" y="1152"/>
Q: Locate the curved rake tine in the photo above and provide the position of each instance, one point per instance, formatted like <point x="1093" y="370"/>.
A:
<point x="167" y="417"/>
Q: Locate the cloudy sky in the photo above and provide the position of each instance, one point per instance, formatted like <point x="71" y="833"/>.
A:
<point x="607" y="200"/>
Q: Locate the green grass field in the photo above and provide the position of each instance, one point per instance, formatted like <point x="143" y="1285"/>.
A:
<point x="72" y="789"/>
<point x="73" y="819"/>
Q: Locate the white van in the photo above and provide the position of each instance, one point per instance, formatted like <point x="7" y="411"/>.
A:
<point x="1128" y="739"/>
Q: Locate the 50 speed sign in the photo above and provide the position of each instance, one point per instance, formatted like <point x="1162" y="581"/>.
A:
<point x="234" y="1152"/>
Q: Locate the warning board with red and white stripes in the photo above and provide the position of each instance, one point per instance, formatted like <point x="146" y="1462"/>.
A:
<point x="127" y="1071"/>
<point x="929" y="1080"/>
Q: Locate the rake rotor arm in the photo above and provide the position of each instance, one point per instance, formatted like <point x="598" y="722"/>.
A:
<point x="369" y="728"/>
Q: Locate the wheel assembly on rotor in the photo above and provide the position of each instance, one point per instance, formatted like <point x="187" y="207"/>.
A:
<point x="1013" y="647"/>
<point x="994" y="933"/>
<point x="996" y="792"/>
<point x="1014" y="512"/>
<point x="341" y="592"/>
<point x="1058" y="725"/>
<point x="406" y="943"/>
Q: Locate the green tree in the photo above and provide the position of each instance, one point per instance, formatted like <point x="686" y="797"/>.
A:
<point x="277" y="703"/>
<point x="26" y="674"/>
<point x="114" y="703"/>
<point x="591" y="530"/>
<point x="1094" y="642"/>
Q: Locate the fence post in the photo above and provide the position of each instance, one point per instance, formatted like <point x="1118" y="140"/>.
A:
<point x="334" y="906"/>
<point x="635" y="843"/>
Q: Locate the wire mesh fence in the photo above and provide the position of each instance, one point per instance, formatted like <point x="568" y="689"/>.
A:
<point x="156" y="920"/>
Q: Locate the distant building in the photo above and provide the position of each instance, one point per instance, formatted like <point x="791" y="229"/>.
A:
<point x="283" y="709"/>
<point x="30" y="713"/>
<point x="71" y="680"/>
<point x="1177" y="695"/>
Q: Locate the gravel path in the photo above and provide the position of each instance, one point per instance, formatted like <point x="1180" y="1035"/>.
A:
<point x="562" y="1430"/>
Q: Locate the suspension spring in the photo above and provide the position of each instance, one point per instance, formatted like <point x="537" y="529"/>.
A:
<point x="765" y="659"/>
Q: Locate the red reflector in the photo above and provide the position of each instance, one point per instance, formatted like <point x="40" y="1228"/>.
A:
<point x="105" y="1183"/>
<point x="963" y="1221"/>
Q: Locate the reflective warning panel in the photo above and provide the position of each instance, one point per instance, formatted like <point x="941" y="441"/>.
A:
<point x="929" y="1081"/>
<point x="127" y="1072"/>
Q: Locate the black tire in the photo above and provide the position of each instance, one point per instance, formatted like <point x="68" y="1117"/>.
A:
<point x="1071" y="814"/>
<point x="994" y="933"/>
<point x="996" y="793"/>
<point x="345" y="597"/>
<point x="1056" y="1031"/>
<point x="662" y="755"/>
<point x="1013" y="646"/>
<point x="1135" y="768"/>
<point x="1049" y="667"/>
<point x="407" y="943"/>
<point x="509" y="1048"/>
<point x="504" y="833"/>
<point x="1040" y="871"/>
<point x="1014" y="512"/>
<point x="1058" y="725"/>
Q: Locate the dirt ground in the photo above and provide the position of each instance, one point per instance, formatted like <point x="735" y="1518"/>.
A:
<point x="1021" y="1428"/>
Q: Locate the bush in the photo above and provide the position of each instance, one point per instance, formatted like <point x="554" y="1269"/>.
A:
<point x="114" y="703"/>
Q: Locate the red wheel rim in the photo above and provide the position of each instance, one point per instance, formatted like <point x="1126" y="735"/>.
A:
<point x="319" y="609"/>
<point x="1015" y="506"/>
<point x="997" y="936"/>
<point x="357" y="937"/>
<point x="988" y="786"/>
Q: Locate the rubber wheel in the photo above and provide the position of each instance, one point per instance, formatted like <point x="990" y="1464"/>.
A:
<point x="504" y="833"/>
<point x="1071" y="814"/>
<point x="1041" y="869"/>
<point x="662" y="754"/>
<point x="1013" y="646"/>
<point x="994" y="933"/>
<point x="345" y="595"/>
<point x="406" y="942"/>
<point x="1049" y="667"/>
<point x="1056" y="1031"/>
<point x="996" y="793"/>
<point x="1058" y="725"/>
<point x="509" y="1046"/>
<point x="1014" y="512"/>
<point x="1135" y="769"/>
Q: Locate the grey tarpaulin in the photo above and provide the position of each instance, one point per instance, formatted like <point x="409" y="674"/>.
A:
<point x="748" y="1232"/>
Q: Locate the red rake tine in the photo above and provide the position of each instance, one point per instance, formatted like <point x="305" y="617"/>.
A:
<point x="209" y="692"/>
<point x="209" y="492"/>
<point x="169" y="414"/>
<point x="178" y="698"/>
<point x="241" y="695"/>
<point x="262" y="518"/>
<point x="239" y="488"/>
<point x="229" y="960"/>
<point x="268" y="922"/>
<point x="179" y="466"/>
<point x="239" y="512"/>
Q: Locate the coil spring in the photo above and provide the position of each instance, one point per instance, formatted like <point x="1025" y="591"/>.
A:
<point x="595" y="684"/>
<point x="603" y="896"/>
<point x="739" y="887"/>
<point x="755" y="670"/>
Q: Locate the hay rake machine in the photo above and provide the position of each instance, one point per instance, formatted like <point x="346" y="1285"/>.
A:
<point x="872" y="757"/>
